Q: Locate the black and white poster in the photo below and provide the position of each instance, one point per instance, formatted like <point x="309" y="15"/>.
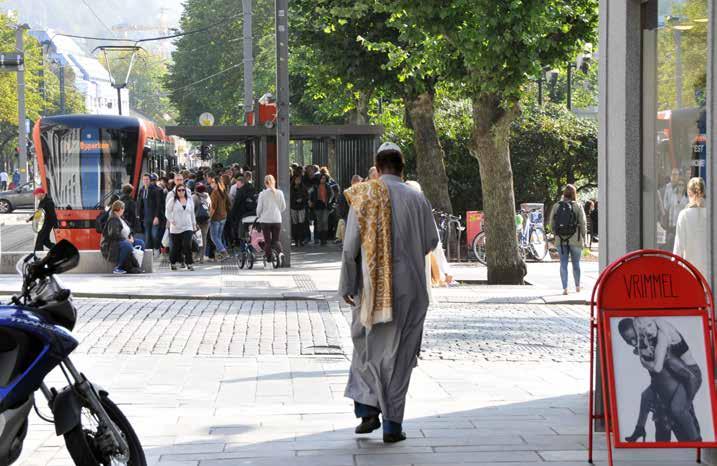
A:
<point x="662" y="390"/>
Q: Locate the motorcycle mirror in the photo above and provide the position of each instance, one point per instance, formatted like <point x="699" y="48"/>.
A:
<point x="62" y="257"/>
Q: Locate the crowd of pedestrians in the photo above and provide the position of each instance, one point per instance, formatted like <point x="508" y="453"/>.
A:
<point x="198" y="215"/>
<point x="191" y="216"/>
<point x="318" y="207"/>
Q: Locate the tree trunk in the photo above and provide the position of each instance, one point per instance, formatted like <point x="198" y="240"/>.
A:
<point x="489" y="144"/>
<point x="359" y="115"/>
<point x="429" y="153"/>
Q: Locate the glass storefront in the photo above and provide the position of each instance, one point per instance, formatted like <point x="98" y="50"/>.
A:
<point x="674" y="128"/>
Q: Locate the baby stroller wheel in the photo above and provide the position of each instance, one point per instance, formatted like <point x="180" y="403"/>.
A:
<point x="251" y="258"/>
<point x="282" y="259"/>
<point x="275" y="260"/>
<point x="242" y="259"/>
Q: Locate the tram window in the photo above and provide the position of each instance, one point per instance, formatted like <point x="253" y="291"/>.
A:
<point x="85" y="166"/>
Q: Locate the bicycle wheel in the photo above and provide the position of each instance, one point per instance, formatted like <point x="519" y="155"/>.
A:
<point x="479" y="247"/>
<point x="538" y="244"/>
<point x="242" y="259"/>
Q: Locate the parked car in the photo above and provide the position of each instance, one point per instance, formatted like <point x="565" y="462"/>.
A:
<point x="18" y="198"/>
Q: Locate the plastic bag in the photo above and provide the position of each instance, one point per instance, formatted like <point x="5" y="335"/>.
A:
<point x="165" y="238"/>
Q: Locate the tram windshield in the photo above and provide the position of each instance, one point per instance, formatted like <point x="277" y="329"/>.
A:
<point x="85" y="166"/>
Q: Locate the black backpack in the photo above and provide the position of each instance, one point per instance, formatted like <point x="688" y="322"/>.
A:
<point x="202" y="212"/>
<point x="565" y="221"/>
<point x="101" y="221"/>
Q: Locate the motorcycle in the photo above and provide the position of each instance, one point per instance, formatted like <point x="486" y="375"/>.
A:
<point x="35" y="338"/>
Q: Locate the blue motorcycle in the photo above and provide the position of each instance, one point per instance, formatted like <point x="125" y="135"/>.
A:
<point x="35" y="338"/>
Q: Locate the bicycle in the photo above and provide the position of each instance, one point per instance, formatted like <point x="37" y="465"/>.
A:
<point x="448" y="224"/>
<point x="532" y="240"/>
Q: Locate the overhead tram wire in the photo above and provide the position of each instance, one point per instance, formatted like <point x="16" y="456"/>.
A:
<point x="206" y="78"/>
<point x="97" y="17"/>
<point x="151" y="39"/>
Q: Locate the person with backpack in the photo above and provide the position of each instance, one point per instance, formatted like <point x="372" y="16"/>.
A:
<point x="202" y="207"/>
<point x="567" y="220"/>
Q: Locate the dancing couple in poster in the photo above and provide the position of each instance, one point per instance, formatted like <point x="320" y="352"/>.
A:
<point x="675" y="379"/>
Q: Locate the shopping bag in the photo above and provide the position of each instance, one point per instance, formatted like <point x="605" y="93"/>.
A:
<point x="138" y="254"/>
<point x="198" y="238"/>
<point x="165" y="238"/>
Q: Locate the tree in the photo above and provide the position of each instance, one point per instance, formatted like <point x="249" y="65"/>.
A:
<point x="146" y="85"/>
<point x="500" y="44"/>
<point x="207" y="70"/>
<point x="553" y="147"/>
<point x="360" y="52"/>
<point x="37" y="103"/>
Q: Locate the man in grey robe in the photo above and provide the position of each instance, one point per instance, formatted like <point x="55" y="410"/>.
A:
<point x="385" y="355"/>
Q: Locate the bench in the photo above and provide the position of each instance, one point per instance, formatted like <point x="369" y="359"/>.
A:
<point x="90" y="262"/>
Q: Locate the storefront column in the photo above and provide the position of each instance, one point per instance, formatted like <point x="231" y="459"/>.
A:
<point x="711" y="454"/>
<point x="619" y="170"/>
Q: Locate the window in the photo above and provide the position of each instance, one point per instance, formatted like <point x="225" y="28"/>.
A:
<point x="674" y="64"/>
<point x="85" y="166"/>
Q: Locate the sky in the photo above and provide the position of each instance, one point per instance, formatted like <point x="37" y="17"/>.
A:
<point x="93" y="17"/>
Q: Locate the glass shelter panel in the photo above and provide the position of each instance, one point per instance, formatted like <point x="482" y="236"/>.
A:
<point x="674" y="129"/>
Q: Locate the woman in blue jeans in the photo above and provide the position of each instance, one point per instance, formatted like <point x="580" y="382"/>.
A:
<point x="118" y="240"/>
<point x="571" y="248"/>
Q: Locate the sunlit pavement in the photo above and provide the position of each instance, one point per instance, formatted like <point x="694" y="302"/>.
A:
<point x="261" y="383"/>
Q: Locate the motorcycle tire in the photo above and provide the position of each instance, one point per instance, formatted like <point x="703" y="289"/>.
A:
<point x="81" y="446"/>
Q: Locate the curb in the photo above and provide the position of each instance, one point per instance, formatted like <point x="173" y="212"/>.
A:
<point x="80" y="294"/>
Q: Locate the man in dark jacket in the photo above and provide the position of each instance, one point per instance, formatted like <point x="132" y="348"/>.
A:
<point x="244" y="205"/>
<point x="150" y="207"/>
<point x="46" y="207"/>
<point x="130" y="211"/>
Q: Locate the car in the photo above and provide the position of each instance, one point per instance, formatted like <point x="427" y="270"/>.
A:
<point x="18" y="198"/>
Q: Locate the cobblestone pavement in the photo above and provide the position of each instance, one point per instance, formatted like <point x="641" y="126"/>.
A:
<point x="489" y="332"/>
<point x="217" y="328"/>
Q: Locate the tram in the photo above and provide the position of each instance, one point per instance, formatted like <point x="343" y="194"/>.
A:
<point x="84" y="159"/>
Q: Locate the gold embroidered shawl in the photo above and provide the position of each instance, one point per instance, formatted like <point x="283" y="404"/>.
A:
<point x="371" y="203"/>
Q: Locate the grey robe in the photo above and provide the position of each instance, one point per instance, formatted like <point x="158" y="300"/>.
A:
<point x="384" y="358"/>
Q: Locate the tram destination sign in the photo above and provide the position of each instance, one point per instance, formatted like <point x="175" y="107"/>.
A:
<point x="11" y="61"/>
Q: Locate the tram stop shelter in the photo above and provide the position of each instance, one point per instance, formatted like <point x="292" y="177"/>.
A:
<point x="345" y="149"/>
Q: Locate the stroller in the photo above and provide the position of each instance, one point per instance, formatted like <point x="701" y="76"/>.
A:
<point x="251" y="246"/>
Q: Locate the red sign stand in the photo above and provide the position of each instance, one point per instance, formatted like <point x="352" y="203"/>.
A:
<point x="649" y="289"/>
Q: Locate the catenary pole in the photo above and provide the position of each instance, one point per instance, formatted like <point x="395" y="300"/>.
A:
<point x="22" y="135"/>
<point x="248" y="59"/>
<point x="282" y="117"/>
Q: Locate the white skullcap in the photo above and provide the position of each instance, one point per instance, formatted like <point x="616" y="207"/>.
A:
<point x="386" y="146"/>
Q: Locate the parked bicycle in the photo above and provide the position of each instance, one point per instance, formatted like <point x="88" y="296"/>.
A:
<point x="450" y="231"/>
<point x="532" y="240"/>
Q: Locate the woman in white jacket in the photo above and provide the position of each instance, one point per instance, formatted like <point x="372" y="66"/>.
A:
<point x="269" y="207"/>
<point x="691" y="232"/>
<point x="182" y="225"/>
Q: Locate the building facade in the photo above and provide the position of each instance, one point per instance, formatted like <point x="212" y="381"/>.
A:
<point x="657" y="129"/>
<point x="657" y="125"/>
<point x="92" y="80"/>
